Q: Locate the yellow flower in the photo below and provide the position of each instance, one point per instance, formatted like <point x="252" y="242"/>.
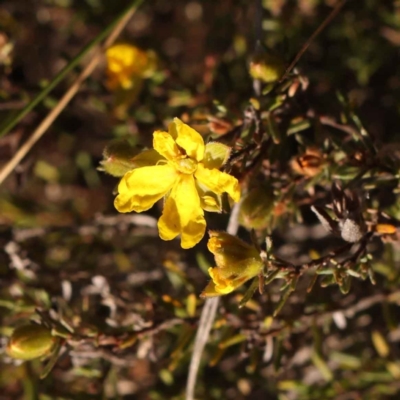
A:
<point x="126" y="65"/>
<point x="237" y="262"/>
<point x="184" y="171"/>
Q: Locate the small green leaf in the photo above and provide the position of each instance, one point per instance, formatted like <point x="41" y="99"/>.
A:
<point x="283" y="300"/>
<point x="231" y="341"/>
<point x="55" y="352"/>
<point x="322" y="366"/>
<point x="249" y="292"/>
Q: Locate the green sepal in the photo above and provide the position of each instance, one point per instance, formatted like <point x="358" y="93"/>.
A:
<point x="249" y="292"/>
<point x="216" y="155"/>
<point x="209" y="201"/>
<point x="54" y="354"/>
<point x="117" y="158"/>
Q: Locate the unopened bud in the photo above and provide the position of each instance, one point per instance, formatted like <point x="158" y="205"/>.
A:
<point x="309" y="164"/>
<point x="31" y="341"/>
<point x="256" y="208"/>
<point x="267" y="67"/>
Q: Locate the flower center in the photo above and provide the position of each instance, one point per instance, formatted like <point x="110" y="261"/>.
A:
<point x="186" y="165"/>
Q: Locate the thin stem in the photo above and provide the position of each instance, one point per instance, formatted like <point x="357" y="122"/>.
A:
<point x="116" y="27"/>
<point x="306" y="45"/>
<point x="206" y="320"/>
<point x="258" y="20"/>
<point x="203" y="332"/>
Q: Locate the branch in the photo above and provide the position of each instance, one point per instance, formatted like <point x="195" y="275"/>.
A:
<point x="306" y="45"/>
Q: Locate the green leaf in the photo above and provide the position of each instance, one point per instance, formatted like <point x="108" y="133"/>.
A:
<point x="53" y="359"/>
<point x="249" y="292"/>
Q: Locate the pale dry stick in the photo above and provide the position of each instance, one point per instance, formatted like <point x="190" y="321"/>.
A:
<point x="206" y="320"/>
<point x="71" y="92"/>
<point x="306" y="45"/>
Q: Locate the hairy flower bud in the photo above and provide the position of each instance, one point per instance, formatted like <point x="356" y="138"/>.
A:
<point x="256" y="208"/>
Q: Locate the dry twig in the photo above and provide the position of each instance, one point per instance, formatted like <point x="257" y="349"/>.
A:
<point x="56" y="111"/>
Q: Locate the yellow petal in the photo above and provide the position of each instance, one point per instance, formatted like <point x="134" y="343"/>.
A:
<point x="229" y="250"/>
<point x="121" y="60"/>
<point x="127" y="65"/>
<point x="182" y="214"/>
<point x="120" y="55"/>
<point x="210" y="291"/>
<point x="221" y="281"/>
<point x="140" y="188"/>
<point x="146" y="158"/>
<point x="218" y="182"/>
<point x="226" y="280"/>
<point x="187" y="138"/>
<point x="165" y="145"/>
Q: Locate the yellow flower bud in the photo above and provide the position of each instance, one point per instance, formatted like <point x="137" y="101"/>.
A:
<point x="31" y="341"/>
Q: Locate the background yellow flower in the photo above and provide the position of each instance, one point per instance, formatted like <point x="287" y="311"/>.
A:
<point x="127" y="65"/>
